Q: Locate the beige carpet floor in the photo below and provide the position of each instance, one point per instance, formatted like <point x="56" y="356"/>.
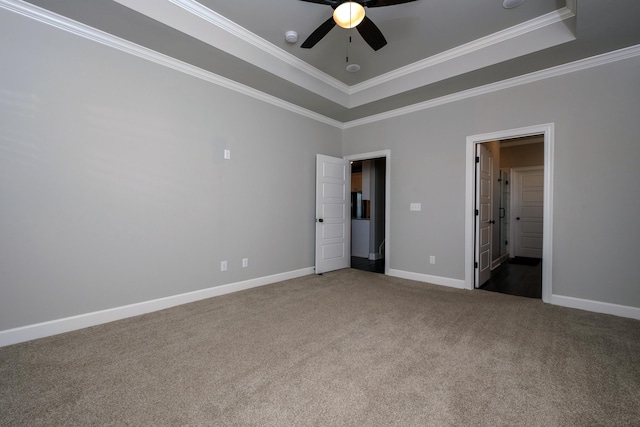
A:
<point x="348" y="348"/>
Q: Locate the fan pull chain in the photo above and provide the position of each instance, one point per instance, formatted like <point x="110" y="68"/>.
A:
<point x="348" y="44"/>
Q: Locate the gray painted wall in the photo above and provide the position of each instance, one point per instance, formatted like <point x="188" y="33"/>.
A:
<point x="113" y="187"/>
<point x="596" y="176"/>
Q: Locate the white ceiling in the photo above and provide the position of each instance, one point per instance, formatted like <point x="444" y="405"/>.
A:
<point x="435" y="47"/>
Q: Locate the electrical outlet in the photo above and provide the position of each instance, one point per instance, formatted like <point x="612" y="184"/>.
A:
<point x="432" y="259"/>
<point x="227" y="154"/>
<point x="223" y="266"/>
<point x="245" y="262"/>
<point x="416" y="207"/>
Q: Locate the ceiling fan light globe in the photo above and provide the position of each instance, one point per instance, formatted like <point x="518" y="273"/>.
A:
<point x="349" y="14"/>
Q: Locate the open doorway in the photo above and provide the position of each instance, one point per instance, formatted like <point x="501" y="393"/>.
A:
<point x="502" y="221"/>
<point x="369" y="211"/>
<point x="514" y="216"/>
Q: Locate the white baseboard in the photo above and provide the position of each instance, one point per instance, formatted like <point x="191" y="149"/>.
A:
<point x="67" y="324"/>
<point x="436" y="280"/>
<point x="597" y="306"/>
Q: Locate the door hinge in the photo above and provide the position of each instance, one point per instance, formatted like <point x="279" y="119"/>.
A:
<point x="476" y="265"/>
<point x="477" y="159"/>
<point x="477" y="212"/>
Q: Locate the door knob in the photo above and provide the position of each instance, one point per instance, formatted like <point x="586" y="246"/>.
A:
<point x="492" y="221"/>
<point x="320" y="220"/>
<point x="518" y="218"/>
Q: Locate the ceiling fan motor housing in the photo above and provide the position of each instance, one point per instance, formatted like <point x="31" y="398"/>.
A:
<point x="365" y="26"/>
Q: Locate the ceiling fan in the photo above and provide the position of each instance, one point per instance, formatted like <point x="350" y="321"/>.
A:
<point x="349" y="14"/>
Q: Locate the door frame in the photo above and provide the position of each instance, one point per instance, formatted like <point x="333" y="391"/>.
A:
<point x="387" y="198"/>
<point x="547" y="131"/>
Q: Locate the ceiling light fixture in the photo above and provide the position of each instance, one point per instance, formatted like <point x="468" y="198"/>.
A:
<point x="348" y="14"/>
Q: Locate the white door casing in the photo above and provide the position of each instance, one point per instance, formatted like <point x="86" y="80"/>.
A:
<point x="528" y="211"/>
<point x="333" y="183"/>
<point x="548" y="133"/>
<point x="484" y="209"/>
<point x="387" y="200"/>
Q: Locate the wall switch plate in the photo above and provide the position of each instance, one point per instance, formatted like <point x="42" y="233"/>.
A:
<point x="223" y="266"/>
<point x="432" y="259"/>
<point x="245" y="262"/>
<point x="415" y="207"/>
<point x="227" y="154"/>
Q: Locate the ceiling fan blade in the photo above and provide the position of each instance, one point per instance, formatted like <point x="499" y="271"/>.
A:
<point x="380" y="3"/>
<point x="319" y="33"/>
<point x="371" y="34"/>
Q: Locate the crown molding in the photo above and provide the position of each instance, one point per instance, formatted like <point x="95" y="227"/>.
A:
<point x="526" y="27"/>
<point x="201" y="23"/>
<point x="247" y="36"/>
<point x="583" y="64"/>
<point x="536" y="34"/>
<point x="49" y="18"/>
<point x="191" y="17"/>
<point x="46" y="17"/>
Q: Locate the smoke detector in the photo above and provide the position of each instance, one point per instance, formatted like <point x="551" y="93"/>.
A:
<point x="291" y="36"/>
<point x="510" y="4"/>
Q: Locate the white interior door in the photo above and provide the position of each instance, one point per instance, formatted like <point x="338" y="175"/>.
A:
<point x="529" y="207"/>
<point x="333" y="185"/>
<point x="484" y="189"/>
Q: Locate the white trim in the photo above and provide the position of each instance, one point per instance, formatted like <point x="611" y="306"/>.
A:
<point x="597" y="306"/>
<point x="547" y="248"/>
<point x="59" y="326"/>
<point x="427" y="278"/>
<point x="273" y="51"/>
<point x="49" y="18"/>
<point x="532" y="36"/>
<point x="387" y="195"/>
<point x="476" y="45"/>
<point x="582" y="64"/>
<point x="242" y="33"/>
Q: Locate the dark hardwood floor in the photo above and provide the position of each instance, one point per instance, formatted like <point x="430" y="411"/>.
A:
<point x="365" y="264"/>
<point x="512" y="279"/>
<point x="516" y="279"/>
